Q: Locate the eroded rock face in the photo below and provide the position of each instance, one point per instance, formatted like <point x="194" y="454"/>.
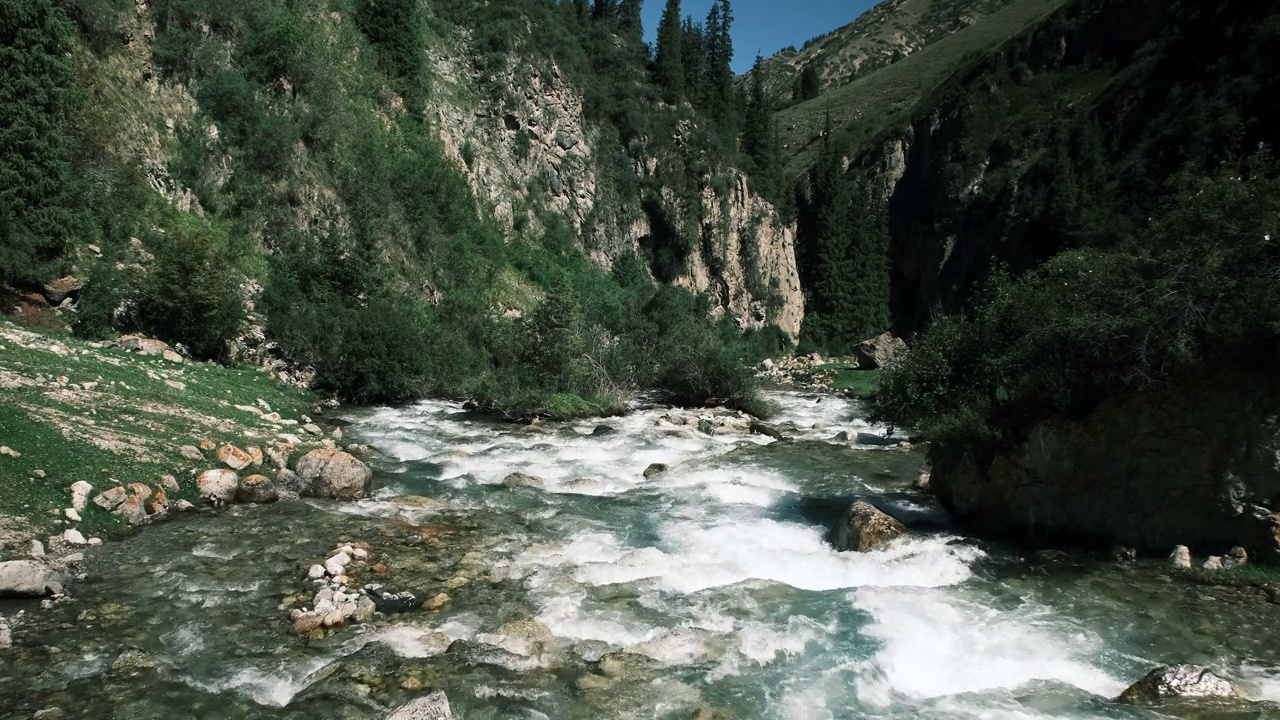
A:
<point x="1189" y="464"/>
<point x="335" y="475"/>
<point x="1177" y="682"/>
<point x="864" y="527"/>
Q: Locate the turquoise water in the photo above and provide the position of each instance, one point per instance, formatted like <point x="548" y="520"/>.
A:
<point x="707" y="589"/>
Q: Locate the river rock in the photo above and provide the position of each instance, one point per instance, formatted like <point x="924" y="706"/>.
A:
<point x="6" y="635"/>
<point x="878" y="352"/>
<point x="80" y="494"/>
<point x="523" y="637"/>
<point x="706" y="426"/>
<point x="335" y="565"/>
<point x="306" y="622"/>
<point x="1213" y="562"/>
<point x="277" y="453"/>
<point x="767" y="430"/>
<point x="922" y="482"/>
<point x="36" y="549"/>
<point x="335" y="475"/>
<point x="258" y="490"/>
<point x="437" y="602"/>
<point x="365" y="609"/>
<point x="316" y="572"/>
<point x="1235" y="557"/>
<point x="219" y="486"/>
<point x="654" y="469"/>
<point x="864" y="527"/>
<point x="233" y="457"/>
<point x="28" y="579"/>
<point x="110" y="499"/>
<point x="389" y="603"/>
<point x="432" y="707"/>
<point x="1181" y="557"/>
<point x="517" y="480"/>
<point x="1122" y="554"/>
<point x="133" y="510"/>
<point x="1177" y="681"/>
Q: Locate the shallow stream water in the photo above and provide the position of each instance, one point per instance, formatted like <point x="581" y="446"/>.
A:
<point x="707" y="591"/>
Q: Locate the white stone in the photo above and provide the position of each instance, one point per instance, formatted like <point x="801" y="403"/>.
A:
<point x="36" y="550"/>
<point x="1181" y="557"/>
<point x="315" y="571"/>
<point x="95" y="542"/>
<point x="73" y="537"/>
<point x="360" y="554"/>
<point x="80" y="494"/>
<point x="72" y="515"/>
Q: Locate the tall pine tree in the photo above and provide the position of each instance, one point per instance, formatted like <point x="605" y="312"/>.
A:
<point x="629" y="21"/>
<point x="605" y="10"/>
<point x="693" y="48"/>
<point x="669" y="63"/>
<point x="719" y="51"/>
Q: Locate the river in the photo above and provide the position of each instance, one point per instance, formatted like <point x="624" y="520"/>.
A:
<point x="707" y="591"/>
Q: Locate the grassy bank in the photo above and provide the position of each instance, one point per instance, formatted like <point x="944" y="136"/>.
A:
<point x="75" y="411"/>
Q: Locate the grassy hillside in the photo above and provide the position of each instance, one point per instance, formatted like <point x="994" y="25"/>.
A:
<point x="883" y="35"/>
<point x="269" y="182"/>
<point x="879" y="99"/>
<point x="74" y="410"/>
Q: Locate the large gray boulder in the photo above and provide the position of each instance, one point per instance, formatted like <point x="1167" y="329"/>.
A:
<point x="432" y="707"/>
<point x="879" y="351"/>
<point x="218" y="486"/>
<point x="334" y="474"/>
<point x="864" y="527"/>
<point x="1178" y="682"/>
<point x="27" y="579"/>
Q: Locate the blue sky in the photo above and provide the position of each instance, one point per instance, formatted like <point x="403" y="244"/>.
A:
<point x="766" y="26"/>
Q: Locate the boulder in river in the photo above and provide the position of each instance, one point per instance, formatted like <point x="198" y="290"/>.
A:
<point x="603" y="431"/>
<point x="1181" y="557"/>
<point x="28" y="579"/>
<point x="335" y="475"/>
<point x="1177" y="681"/>
<point x="258" y="490"/>
<point x="654" y="469"/>
<point x="218" y="486"/>
<point x="432" y="707"/>
<point x="760" y="428"/>
<point x="518" y="480"/>
<point x="865" y="527"/>
<point x="879" y="351"/>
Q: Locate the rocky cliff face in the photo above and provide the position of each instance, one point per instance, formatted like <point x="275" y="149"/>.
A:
<point x="533" y="151"/>
<point x="1196" y="464"/>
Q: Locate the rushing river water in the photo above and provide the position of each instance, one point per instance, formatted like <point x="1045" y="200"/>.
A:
<point x="707" y="591"/>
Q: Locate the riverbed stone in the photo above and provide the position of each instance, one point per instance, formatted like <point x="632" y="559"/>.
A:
<point x="654" y="469"/>
<point x="1235" y="557"/>
<point x="437" y="602"/>
<point x="365" y="609"/>
<point x="1181" y="557"/>
<point x="219" y="486"/>
<point x="28" y="579"/>
<point x="315" y="572"/>
<point x="1213" y="562"/>
<point x="1177" y="681"/>
<point x="306" y="622"/>
<point x="334" y="475"/>
<point x="258" y="490"/>
<point x="432" y="707"/>
<point x="518" y="480"/>
<point x="865" y="527"/>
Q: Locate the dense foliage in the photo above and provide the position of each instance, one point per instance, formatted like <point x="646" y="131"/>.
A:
<point x="1196" y="287"/>
<point x="318" y="178"/>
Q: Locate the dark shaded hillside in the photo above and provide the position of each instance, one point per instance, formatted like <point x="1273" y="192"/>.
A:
<point x="1068" y="136"/>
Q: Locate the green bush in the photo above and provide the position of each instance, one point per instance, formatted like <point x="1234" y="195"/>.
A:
<point x="1195" y="288"/>
<point x="191" y="290"/>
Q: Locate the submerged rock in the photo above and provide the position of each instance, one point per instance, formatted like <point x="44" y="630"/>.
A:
<point x="28" y="579"/>
<point x="865" y="527"/>
<point x="1177" y="681"/>
<point x="335" y="475"/>
<point x="432" y="707"/>
<point x="518" y="480"/>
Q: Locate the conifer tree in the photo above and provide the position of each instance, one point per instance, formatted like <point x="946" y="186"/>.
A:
<point x="629" y="20"/>
<point x="581" y="9"/>
<point x="719" y="52"/>
<point x="693" y="46"/>
<point x="669" y="63"/>
<point x="605" y="10"/>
